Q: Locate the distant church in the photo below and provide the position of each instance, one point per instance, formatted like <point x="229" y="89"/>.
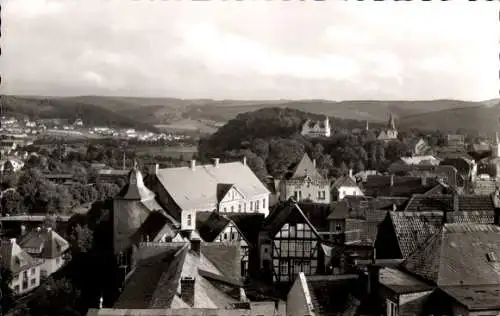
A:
<point x="390" y="132"/>
<point x="316" y="128"/>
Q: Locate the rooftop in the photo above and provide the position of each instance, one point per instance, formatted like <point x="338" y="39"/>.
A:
<point x="475" y="298"/>
<point x="44" y="243"/>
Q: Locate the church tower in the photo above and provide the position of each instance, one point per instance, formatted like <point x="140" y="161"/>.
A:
<point x="327" y="127"/>
<point x="495" y="148"/>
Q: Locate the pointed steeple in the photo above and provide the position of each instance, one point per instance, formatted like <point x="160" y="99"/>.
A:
<point x="367" y="127"/>
<point x="135" y="189"/>
<point x="391" y="125"/>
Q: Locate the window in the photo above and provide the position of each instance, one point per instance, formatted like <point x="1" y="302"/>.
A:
<point x="263" y="203"/>
<point x="233" y="236"/>
<point x="189" y="220"/>
<point x="33" y="282"/>
<point x="16" y="277"/>
<point x="239" y="208"/>
<point x="32" y="271"/>
<point x="225" y="210"/>
<point x="283" y="267"/>
<point x="232" y="208"/>
<point x="16" y="289"/>
<point x="338" y="227"/>
<point x="257" y="205"/>
<point x="392" y="308"/>
<point x="225" y="236"/>
<point x="251" y="206"/>
<point x="307" y="248"/>
<point x="491" y="257"/>
<point x="245" y="207"/>
<point x="25" y="274"/>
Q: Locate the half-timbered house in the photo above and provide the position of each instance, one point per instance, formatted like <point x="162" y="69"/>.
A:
<point x="289" y="244"/>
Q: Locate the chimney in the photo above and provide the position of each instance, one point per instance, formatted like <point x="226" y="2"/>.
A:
<point x="196" y="245"/>
<point x="23" y="230"/>
<point x="373" y="279"/>
<point x="155" y="168"/>
<point x="243" y="296"/>
<point x="244" y="160"/>
<point x="314" y="163"/>
<point x="187" y="290"/>
<point x="350" y="173"/>
<point x="455" y="197"/>
<point x="49" y="229"/>
<point x="216" y="162"/>
<point x="392" y="180"/>
<point x="38" y="229"/>
<point x="12" y="240"/>
<point x="193" y="164"/>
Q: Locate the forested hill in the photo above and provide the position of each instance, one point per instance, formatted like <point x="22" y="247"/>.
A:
<point x="270" y="139"/>
<point x="93" y="115"/>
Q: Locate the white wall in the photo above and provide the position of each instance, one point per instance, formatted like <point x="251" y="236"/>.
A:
<point x="307" y="191"/>
<point x="254" y="204"/>
<point x="349" y="191"/>
<point x="52" y="265"/>
<point x="32" y="274"/>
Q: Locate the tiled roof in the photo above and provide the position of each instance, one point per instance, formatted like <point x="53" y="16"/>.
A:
<point x="459" y="254"/>
<point x="420" y="202"/>
<point x="413" y="229"/>
<point x="484" y="297"/>
<point x="156" y="281"/>
<point x="197" y="188"/>
<point x="44" y="243"/>
<point x="403" y="186"/>
<point x="14" y="257"/>
<point x="331" y="294"/>
<point x="304" y="168"/>
<point x="249" y="224"/>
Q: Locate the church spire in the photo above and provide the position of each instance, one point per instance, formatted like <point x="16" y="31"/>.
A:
<point x="391" y="125"/>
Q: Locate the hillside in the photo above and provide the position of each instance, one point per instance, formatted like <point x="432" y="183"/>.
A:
<point x="178" y="113"/>
<point x="482" y="119"/>
<point x="65" y="109"/>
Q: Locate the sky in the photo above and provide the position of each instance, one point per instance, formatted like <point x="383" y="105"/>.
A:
<point x="252" y="49"/>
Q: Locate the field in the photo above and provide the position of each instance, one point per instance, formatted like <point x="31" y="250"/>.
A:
<point x="186" y="125"/>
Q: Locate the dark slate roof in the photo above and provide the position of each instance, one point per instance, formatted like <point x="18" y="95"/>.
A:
<point x="209" y="228"/>
<point x="155" y="282"/>
<point x="332" y="294"/>
<point x="15" y="258"/>
<point x="44" y="243"/>
<point x="420" y="202"/>
<point x="222" y="189"/>
<point x="282" y="213"/>
<point x="135" y="188"/>
<point x="403" y="186"/>
<point x="210" y="224"/>
<point x="317" y="213"/>
<point x="474" y="298"/>
<point x="157" y="224"/>
<point x="459" y="255"/>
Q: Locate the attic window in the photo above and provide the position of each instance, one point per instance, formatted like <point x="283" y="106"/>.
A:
<point x="491" y="257"/>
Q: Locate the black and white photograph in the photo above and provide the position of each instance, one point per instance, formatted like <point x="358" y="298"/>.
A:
<point x="249" y="158"/>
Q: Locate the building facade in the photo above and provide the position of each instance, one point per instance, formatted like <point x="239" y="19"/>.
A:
<point x="316" y="128"/>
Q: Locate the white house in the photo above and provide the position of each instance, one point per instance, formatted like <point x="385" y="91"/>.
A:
<point x="305" y="183"/>
<point x="24" y="268"/>
<point x="345" y="186"/>
<point x="316" y="129"/>
<point x="47" y="246"/>
<point x="226" y="187"/>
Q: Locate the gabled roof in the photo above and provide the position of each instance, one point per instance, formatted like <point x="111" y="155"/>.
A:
<point x="305" y="168"/>
<point x="466" y="203"/>
<point x="212" y="226"/>
<point x="135" y="188"/>
<point x="284" y="212"/>
<point x="459" y="254"/>
<point x="317" y="213"/>
<point x="15" y="258"/>
<point x="401" y="282"/>
<point x="47" y="242"/>
<point x="475" y="298"/>
<point x="344" y="181"/>
<point x="156" y="281"/>
<point x="197" y="188"/>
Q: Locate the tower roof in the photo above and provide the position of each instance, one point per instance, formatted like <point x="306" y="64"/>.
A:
<point x="391" y="124"/>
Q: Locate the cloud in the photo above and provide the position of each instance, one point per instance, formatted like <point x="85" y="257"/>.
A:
<point x="251" y="49"/>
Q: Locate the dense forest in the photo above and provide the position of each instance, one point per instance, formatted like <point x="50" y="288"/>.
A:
<point x="270" y="139"/>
